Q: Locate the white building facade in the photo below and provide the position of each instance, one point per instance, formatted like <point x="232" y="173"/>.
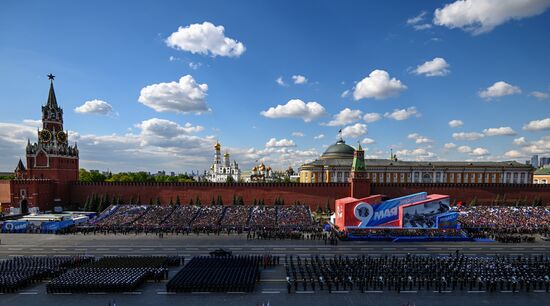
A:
<point x="220" y="170"/>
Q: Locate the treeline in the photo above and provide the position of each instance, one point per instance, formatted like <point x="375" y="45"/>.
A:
<point x="6" y="177"/>
<point x="142" y="176"/>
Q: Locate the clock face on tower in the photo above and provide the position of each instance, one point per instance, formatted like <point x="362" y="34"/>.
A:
<point x="61" y="137"/>
<point x="45" y="136"/>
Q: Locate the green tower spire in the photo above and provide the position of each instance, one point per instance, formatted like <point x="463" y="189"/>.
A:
<point x="358" y="164"/>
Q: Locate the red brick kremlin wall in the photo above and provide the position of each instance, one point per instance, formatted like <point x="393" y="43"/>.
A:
<point x="4" y="191"/>
<point x="311" y="194"/>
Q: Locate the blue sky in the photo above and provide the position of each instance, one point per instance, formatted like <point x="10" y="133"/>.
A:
<point x="412" y="65"/>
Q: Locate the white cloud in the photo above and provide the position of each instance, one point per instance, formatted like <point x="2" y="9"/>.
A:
<point x="205" y="38"/>
<point x="274" y="143"/>
<point x="514" y="154"/>
<point x="436" y="67"/>
<point x="95" y="106"/>
<point x="299" y="79"/>
<point x="473" y="152"/>
<point x="320" y="136"/>
<point x="456" y="123"/>
<point x="402" y="114"/>
<point x="418" y="22"/>
<point x="372" y="117"/>
<point x="416" y="154"/>
<point x="500" y="131"/>
<point x="355" y="130"/>
<point x="183" y="96"/>
<point x="468" y="136"/>
<point x="345" y="93"/>
<point x="367" y="141"/>
<point x="480" y="152"/>
<point x="419" y="138"/>
<point x="280" y="81"/>
<point x="520" y="141"/>
<point x="540" y="95"/>
<point x="538" y="125"/>
<point x="165" y="133"/>
<point x="449" y="146"/>
<point x="378" y="85"/>
<point x="482" y="16"/>
<point x="195" y="65"/>
<point x="464" y="149"/>
<point x="297" y="134"/>
<point x="541" y="146"/>
<point x="345" y="116"/>
<point x="499" y="89"/>
<point x="296" y="108"/>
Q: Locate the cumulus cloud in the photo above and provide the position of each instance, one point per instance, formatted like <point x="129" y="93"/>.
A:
<point x="299" y="79"/>
<point x="419" y="138"/>
<point x="479" y="152"/>
<point x="372" y="117"/>
<point x="541" y="146"/>
<point x="499" y="89"/>
<point x="513" y="154"/>
<point x="280" y="81"/>
<point x="95" y="106"/>
<point x="500" y="131"/>
<point x="345" y="116"/>
<point x="355" y="130"/>
<point x="540" y="95"/>
<point x="367" y="141"/>
<point x="456" y="123"/>
<point x="473" y="152"/>
<point x="378" y="85"/>
<point x="436" y="67"/>
<point x="468" y="136"/>
<point x="274" y="143"/>
<point x="320" y="136"/>
<point x="402" y="114"/>
<point x="165" y="133"/>
<point x="482" y="16"/>
<point x="296" y="108"/>
<point x="418" y="22"/>
<point x="520" y="141"/>
<point x="538" y="125"/>
<point x="205" y="38"/>
<point x="416" y="154"/>
<point x="183" y="96"/>
<point x="464" y="149"/>
<point x="449" y="146"/>
<point x="297" y="134"/>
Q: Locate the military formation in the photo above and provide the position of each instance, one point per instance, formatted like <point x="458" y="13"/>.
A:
<point x="440" y="274"/>
<point x="220" y="274"/>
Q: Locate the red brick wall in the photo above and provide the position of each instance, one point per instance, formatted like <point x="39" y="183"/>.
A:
<point x="482" y="193"/>
<point x="4" y="191"/>
<point x="311" y="194"/>
<point x="40" y="192"/>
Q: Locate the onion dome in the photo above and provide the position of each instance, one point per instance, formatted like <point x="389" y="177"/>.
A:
<point x="262" y="167"/>
<point x="217" y="146"/>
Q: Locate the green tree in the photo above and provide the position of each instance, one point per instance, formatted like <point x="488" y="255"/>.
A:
<point x="229" y="179"/>
<point x="198" y="201"/>
<point x="91" y="176"/>
<point x="241" y="201"/>
<point x="178" y="201"/>
<point x="219" y="201"/>
<point x="158" y="201"/>
<point x="171" y="202"/>
<point x="191" y="202"/>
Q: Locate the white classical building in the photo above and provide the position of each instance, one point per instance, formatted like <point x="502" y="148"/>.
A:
<point x="219" y="172"/>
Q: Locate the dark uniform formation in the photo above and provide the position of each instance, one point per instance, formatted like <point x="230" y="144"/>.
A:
<point x="220" y="274"/>
<point x="18" y="272"/>
<point x="114" y="274"/>
<point x="455" y="272"/>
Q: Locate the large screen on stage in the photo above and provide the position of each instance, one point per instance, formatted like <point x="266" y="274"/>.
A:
<point x="424" y="214"/>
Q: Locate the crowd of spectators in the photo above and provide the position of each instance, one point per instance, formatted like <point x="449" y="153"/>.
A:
<point x="208" y="218"/>
<point x="235" y="218"/>
<point x="153" y="218"/>
<point x="296" y="217"/>
<point x="122" y="217"/>
<point x="263" y="217"/>
<point x="180" y="218"/>
<point x="505" y="223"/>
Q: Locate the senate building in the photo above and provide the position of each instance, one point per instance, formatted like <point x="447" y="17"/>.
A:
<point x="334" y="165"/>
